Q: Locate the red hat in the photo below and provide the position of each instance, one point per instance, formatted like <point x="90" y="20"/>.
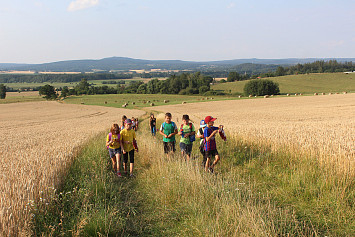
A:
<point x="209" y="119"/>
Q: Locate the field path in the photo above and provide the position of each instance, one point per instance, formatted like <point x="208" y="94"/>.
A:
<point x="37" y="143"/>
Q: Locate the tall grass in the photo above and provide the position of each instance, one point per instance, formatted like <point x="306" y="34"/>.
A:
<point x="255" y="191"/>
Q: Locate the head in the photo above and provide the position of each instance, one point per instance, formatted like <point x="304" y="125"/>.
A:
<point x="128" y="124"/>
<point x="185" y="119"/>
<point x="152" y="115"/>
<point x="124" y="117"/>
<point x="115" y="129"/>
<point x="168" y="117"/>
<point x="203" y="124"/>
<point x="209" y="120"/>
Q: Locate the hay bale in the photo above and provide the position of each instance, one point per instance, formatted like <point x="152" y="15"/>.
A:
<point x="105" y="102"/>
<point x="166" y="101"/>
<point x="184" y="102"/>
<point x="266" y="96"/>
<point x="124" y="106"/>
<point x="288" y="95"/>
<point x="82" y="103"/>
<point x="240" y="96"/>
<point x="344" y="92"/>
<point x="315" y="93"/>
<point x="250" y="96"/>
<point x="133" y="103"/>
<point x="152" y="104"/>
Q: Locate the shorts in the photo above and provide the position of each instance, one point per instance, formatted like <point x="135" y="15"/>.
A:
<point x="131" y="157"/>
<point x="169" y="147"/>
<point x="153" y="131"/>
<point x="210" y="154"/>
<point x="186" y="148"/>
<point x="114" y="152"/>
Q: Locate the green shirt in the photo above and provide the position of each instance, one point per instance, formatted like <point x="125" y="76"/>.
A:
<point x="168" y="128"/>
<point x="187" y="129"/>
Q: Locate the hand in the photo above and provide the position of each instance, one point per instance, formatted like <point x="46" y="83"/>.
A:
<point x="123" y="151"/>
<point x="186" y="135"/>
<point x="137" y="150"/>
<point x="214" y="132"/>
<point x="166" y="136"/>
<point x="221" y="127"/>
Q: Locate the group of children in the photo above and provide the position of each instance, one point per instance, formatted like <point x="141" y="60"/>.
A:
<point x="206" y="133"/>
<point x="121" y="141"/>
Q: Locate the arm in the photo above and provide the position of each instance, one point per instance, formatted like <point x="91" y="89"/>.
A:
<point x="161" y="132"/>
<point x="174" y="133"/>
<point x="210" y="136"/>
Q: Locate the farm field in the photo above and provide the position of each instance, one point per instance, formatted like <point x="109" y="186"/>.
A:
<point x="72" y="84"/>
<point x="26" y="96"/>
<point x="119" y="99"/>
<point x="37" y="145"/>
<point x="323" y="123"/>
<point x="307" y="84"/>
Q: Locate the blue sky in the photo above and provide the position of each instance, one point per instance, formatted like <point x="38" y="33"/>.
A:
<point x="37" y="31"/>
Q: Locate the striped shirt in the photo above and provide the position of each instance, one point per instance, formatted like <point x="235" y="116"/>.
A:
<point x="211" y="144"/>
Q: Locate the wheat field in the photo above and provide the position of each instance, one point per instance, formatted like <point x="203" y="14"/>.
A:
<point x="37" y="144"/>
<point x="322" y="126"/>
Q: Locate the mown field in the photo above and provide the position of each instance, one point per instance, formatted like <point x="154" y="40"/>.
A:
<point x="72" y="84"/>
<point x="139" y="100"/>
<point x="305" y="83"/>
<point x="15" y="97"/>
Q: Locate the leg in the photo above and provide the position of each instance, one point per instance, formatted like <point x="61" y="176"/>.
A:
<point x="118" y="158"/>
<point x="217" y="158"/>
<point x="114" y="165"/>
<point x="131" y="159"/>
<point x="207" y="165"/>
<point x="125" y="160"/>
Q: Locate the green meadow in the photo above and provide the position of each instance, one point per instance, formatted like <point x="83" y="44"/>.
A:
<point x="305" y="83"/>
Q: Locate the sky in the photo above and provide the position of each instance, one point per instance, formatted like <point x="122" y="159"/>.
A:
<point x="39" y="31"/>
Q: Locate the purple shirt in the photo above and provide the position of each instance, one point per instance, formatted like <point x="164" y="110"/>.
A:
<point x="211" y="144"/>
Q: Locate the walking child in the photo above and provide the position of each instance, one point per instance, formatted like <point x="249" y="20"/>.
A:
<point x="124" y="117"/>
<point x="114" y="143"/>
<point x="128" y="136"/>
<point x="209" y="134"/>
<point x="187" y="132"/>
<point x="202" y="141"/>
<point x="168" y="129"/>
<point x="153" y="125"/>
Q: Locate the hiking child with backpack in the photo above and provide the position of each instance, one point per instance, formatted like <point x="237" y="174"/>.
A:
<point x="202" y="142"/>
<point x="187" y="132"/>
<point x="114" y="144"/>
<point x="128" y="136"/>
<point x="124" y="117"/>
<point x="209" y="134"/>
<point x="168" y="129"/>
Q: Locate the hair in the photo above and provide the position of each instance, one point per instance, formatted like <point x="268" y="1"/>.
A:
<point x="114" y="127"/>
<point x="185" y="117"/>
<point x="152" y="115"/>
<point x="167" y="114"/>
<point x="124" y="117"/>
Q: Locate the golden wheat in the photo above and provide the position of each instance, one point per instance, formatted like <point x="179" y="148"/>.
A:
<point x="323" y="126"/>
<point x="37" y="143"/>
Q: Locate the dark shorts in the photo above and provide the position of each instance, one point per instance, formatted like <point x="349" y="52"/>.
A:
<point x="169" y="147"/>
<point x="113" y="152"/>
<point x="186" y="148"/>
<point x="131" y="157"/>
<point x="210" y="154"/>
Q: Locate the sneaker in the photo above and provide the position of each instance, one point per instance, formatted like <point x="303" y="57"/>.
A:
<point x="211" y="170"/>
<point x="119" y="174"/>
<point x="131" y="175"/>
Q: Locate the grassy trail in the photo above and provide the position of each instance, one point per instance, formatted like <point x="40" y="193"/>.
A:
<point x="252" y="193"/>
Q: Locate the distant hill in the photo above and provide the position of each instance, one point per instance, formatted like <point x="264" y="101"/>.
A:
<point x="123" y="63"/>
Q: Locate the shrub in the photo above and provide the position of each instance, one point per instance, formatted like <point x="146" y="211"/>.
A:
<point x="261" y="87"/>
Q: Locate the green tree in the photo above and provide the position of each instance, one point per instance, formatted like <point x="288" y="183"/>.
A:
<point x="48" y="91"/>
<point x="233" y="76"/>
<point x="65" y="92"/>
<point x="261" y="87"/>
<point x="280" y="71"/>
<point x="2" y="91"/>
<point x="82" y="87"/>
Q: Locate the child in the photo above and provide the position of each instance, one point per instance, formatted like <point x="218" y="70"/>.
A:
<point x="137" y="123"/>
<point x="153" y="125"/>
<point x="114" y="143"/>
<point x="202" y="142"/>
<point x="124" y="117"/>
<point x="128" y="136"/>
<point x="168" y="129"/>
<point x="187" y="132"/>
<point x="133" y="123"/>
<point x="210" y="143"/>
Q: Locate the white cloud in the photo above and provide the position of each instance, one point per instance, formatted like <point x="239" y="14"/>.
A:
<point x="81" y="4"/>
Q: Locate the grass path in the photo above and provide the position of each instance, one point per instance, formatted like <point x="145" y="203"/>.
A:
<point x="250" y="195"/>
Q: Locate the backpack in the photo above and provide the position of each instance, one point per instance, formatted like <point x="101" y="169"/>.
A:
<point x="192" y="137"/>
<point x="110" y="138"/>
<point x="172" y="123"/>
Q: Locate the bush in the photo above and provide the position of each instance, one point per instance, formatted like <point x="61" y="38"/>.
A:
<point x="261" y="87"/>
<point x="2" y="91"/>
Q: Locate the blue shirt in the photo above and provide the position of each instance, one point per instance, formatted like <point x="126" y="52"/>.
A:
<point x="211" y="144"/>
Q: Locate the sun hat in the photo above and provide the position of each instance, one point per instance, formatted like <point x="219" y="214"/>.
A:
<point x="128" y="121"/>
<point x="203" y="124"/>
<point x="209" y="119"/>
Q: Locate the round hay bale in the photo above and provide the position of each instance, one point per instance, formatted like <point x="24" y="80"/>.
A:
<point x="152" y="104"/>
<point x="184" y="102"/>
<point x="315" y="93"/>
<point x="288" y="95"/>
<point x="240" y="96"/>
<point x="266" y="96"/>
<point x="133" y="103"/>
<point x="124" y="106"/>
<point x="344" y="92"/>
<point x="105" y="102"/>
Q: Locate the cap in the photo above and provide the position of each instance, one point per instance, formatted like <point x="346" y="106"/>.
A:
<point x="202" y="123"/>
<point x="209" y="119"/>
<point x="128" y="121"/>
